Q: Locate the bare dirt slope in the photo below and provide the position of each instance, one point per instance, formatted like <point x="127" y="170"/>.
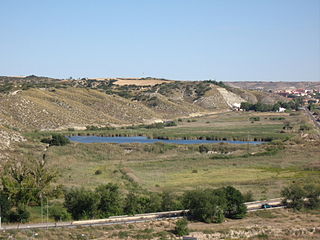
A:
<point x="102" y="103"/>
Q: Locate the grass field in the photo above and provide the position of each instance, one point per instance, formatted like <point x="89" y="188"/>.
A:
<point x="177" y="168"/>
<point x="229" y="125"/>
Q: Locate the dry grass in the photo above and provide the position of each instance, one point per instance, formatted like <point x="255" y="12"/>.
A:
<point x="274" y="224"/>
<point x="140" y="82"/>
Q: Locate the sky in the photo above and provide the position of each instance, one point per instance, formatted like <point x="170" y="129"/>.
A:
<point x="225" y="40"/>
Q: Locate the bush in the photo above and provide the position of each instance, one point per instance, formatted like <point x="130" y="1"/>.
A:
<point x="203" y="149"/>
<point x="5" y="205"/>
<point x="213" y="205"/>
<point x="248" y="196"/>
<point x="110" y="200"/>
<point x="21" y="215"/>
<point x="81" y="203"/>
<point x="56" y="140"/>
<point x="59" y="213"/>
<point x="304" y="127"/>
<point x="235" y="203"/>
<point x="312" y="194"/>
<point x="293" y="196"/>
<point x="254" y="118"/>
<point x="181" y="227"/>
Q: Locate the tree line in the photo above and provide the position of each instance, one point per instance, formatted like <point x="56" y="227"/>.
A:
<point x="261" y="107"/>
<point x="30" y="183"/>
<point x="302" y="196"/>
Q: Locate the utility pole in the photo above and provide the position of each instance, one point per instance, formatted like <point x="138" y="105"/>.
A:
<point x="41" y="208"/>
<point x="0" y="217"/>
<point x="47" y="213"/>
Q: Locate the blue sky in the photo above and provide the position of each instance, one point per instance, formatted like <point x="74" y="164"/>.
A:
<point x="226" y="40"/>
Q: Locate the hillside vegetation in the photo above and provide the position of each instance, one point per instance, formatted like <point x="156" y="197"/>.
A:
<point x="39" y="105"/>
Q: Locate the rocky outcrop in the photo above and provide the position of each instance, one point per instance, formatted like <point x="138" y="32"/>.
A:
<point x="7" y="138"/>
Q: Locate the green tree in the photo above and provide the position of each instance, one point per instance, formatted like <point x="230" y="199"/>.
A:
<point x="245" y="106"/>
<point x="170" y="202"/>
<point x="235" y="203"/>
<point x="276" y="107"/>
<point x="5" y="205"/>
<point x="111" y="202"/>
<point x="133" y="204"/>
<point x="59" y="213"/>
<point x="203" y="149"/>
<point x="181" y="227"/>
<point x="81" y="203"/>
<point x="24" y="181"/>
<point x="213" y="205"/>
<point x="294" y="196"/>
<point x="312" y="194"/>
<point x="20" y="214"/>
<point x="56" y="140"/>
<point x="154" y="205"/>
<point x="205" y="205"/>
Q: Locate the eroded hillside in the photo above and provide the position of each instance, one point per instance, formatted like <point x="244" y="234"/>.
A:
<point x="72" y="104"/>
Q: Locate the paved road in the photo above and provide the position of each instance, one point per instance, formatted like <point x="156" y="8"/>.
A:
<point x="252" y="206"/>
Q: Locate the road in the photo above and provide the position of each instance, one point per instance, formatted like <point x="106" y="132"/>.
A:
<point x="316" y="123"/>
<point x="251" y="206"/>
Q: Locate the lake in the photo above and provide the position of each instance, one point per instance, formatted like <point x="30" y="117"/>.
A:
<point x="140" y="139"/>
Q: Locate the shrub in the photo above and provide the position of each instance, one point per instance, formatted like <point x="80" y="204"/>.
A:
<point x="203" y="149"/>
<point x="293" y="196"/>
<point x="181" y="227"/>
<point x="304" y="127"/>
<point x="254" y="118"/>
<point x="110" y="200"/>
<point x="21" y="215"/>
<point x="59" y="213"/>
<point x="248" y="196"/>
<point x="81" y="203"/>
<point x="56" y="140"/>
<point x="5" y="205"/>
<point x="213" y="205"/>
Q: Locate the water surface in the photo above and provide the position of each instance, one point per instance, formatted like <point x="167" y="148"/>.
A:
<point x="140" y="139"/>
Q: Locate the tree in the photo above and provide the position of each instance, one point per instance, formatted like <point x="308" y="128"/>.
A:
<point x="59" y="213"/>
<point x="294" y="196"/>
<point x="56" y="140"/>
<point x="245" y="106"/>
<point x="111" y="203"/>
<point x="24" y="181"/>
<point x="5" y="205"/>
<point x="312" y="194"/>
<point x="276" y="107"/>
<point x="21" y="215"/>
<point x="205" y="205"/>
<point x="132" y="205"/>
<point x="81" y="203"/>
<point x="181" y="227"/>
<point x="203" y="149"/>
<point x="154" y="205"/>
<point x="235" y="203"/>
<point x="213" y="205"/>
<point x="170" y="201"/>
